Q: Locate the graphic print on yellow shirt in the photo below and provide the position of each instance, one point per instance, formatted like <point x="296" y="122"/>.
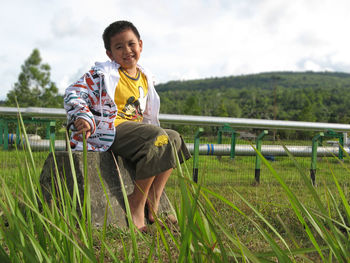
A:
<point x="130" y="97"/>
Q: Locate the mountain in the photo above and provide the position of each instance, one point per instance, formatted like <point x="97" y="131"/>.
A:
<point x="262" y="80"/>
<point x="304" y="96"/>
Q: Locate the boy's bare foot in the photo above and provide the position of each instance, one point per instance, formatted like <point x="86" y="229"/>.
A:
<point x="154" y="194"/>
<point x="152" y="210"/>
<point x="171" y="219"/>
<point x="137" y="213"/>
<point x="144" y="230"/>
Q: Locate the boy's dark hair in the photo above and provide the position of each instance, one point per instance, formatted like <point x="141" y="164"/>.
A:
<point x="116" y="28"/>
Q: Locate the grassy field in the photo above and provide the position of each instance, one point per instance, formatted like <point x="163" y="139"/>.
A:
<point x="243" y="217"/>
<point x="231" y="178"/>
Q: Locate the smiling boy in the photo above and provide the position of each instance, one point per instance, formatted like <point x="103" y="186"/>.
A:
<point x="125" y="48"/>
<point x="117" y="106"/>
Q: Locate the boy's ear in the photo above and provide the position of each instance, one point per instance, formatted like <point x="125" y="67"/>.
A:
<point x="109" y="54"/>
<point x="141" y="43"/>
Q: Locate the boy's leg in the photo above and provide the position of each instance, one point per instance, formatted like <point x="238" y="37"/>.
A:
<point x="155" y="193"/>
<point x="160" y="180"/>
<point x="137" y="201"/>
<point x="145" y="146"/>
<point x="179" y="144"/>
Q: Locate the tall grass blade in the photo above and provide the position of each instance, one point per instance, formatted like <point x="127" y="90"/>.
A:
<point x="26" y="139"/>
<point x="110" y="252"/>
<point x="343" y="223"/>
<point x="76" y="194"/>
<point x="86" y="219"/>
<point x="288" y="231"/>
<point x="108" y="204"/>
<point x="127" y="208"/>
<point x="298" y="207"/>
<point x="151" y="251"/>
<point x="282" y="257"/>
<point x="103" y="236"/>
<point x="77" y="243"/>
<point x="343" y="198"/>
<point x="328" y="231"/>
<point x="3" y="256"/>
<point x="277" y="251"/>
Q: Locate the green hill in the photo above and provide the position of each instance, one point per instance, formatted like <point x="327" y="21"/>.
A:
<point x="304" y="96"/>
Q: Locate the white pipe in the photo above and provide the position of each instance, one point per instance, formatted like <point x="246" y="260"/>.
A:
<point x="44" y="145"/>
<point x="274" y="150"/>
<point x="197" y="120"/>
<point x="222" y="149"/>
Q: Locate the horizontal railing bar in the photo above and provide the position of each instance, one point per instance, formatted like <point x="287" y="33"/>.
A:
<point x="34" y="112"/>
<point x="197" y="120"/>
<point x="252" y="123"/>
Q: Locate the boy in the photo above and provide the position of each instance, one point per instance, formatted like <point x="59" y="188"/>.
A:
<point x="117" y="106"/>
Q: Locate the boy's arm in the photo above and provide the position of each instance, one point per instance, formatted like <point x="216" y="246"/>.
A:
<point x="76" y="101"/>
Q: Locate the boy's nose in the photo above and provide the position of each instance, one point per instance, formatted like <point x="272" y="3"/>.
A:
<point x="127" y="49"/>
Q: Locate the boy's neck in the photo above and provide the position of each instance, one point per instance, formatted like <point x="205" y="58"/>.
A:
<point x="131" y="72"/>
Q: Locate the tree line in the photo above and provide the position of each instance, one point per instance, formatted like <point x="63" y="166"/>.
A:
<point x="298" y="96"/>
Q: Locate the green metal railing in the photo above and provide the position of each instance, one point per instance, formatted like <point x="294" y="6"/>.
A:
<point x="228" y="129"/>
<point x="6" y="137"/>
<point x="258" y="158"/>
<point x="317" y="141"/>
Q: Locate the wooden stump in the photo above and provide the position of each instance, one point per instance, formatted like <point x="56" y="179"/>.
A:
<point x="104" y="163"/>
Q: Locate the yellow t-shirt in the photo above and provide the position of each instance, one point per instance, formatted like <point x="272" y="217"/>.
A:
<point x="130" y="97"/>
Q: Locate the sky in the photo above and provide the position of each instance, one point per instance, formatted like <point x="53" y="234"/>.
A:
<point x="182" y="39"/>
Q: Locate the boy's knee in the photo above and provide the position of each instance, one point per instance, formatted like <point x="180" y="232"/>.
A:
<point x="164" y="136"/>
<point x="156" y="131"/>
<point x="158" y="135"/>
<point x="174" y="138"/>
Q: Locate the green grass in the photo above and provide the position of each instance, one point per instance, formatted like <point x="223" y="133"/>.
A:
<point x="224" y="218"/>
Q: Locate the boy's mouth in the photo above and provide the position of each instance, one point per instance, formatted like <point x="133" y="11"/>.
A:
<point x="130" y="55"/>
<point x="128" y="58"/>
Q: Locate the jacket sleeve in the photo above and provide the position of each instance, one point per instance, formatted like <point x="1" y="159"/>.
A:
<point x="151" y="112"/>
<point x="77" y="101"/>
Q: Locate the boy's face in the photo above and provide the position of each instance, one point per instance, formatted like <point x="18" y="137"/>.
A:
<point x="125" y="50"/>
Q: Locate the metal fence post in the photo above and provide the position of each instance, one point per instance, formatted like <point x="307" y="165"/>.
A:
<point x="341" y="142"/>
<point x="18" y="135"/>
<point x="50" y="133"/>
<point x="258" y="159"/>
<point x="233" y="144"/>
<point x="220" y="136"/>
<point x="332" y="134"/>
<point x="315" y="141"/>
<point x="228" y="129"/>
<point x="196" y="154"/>
<point x="6" y="135"/>
<point x="1" y="132"/>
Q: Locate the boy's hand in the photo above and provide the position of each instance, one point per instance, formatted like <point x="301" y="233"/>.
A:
<point x="83" y="126"/>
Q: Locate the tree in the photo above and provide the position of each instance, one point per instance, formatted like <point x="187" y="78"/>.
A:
<point x="221" y="110"/>
<point x="34" y="87"/>
<point x="191" y="106"/>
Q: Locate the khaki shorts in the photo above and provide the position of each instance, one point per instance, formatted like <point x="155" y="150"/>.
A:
<point x="148" y="147"/>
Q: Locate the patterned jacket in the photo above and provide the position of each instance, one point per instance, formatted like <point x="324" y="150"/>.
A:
<point x="92" y="98"/>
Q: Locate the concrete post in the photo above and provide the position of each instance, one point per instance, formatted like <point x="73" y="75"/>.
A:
<point x="104" y="162"/>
